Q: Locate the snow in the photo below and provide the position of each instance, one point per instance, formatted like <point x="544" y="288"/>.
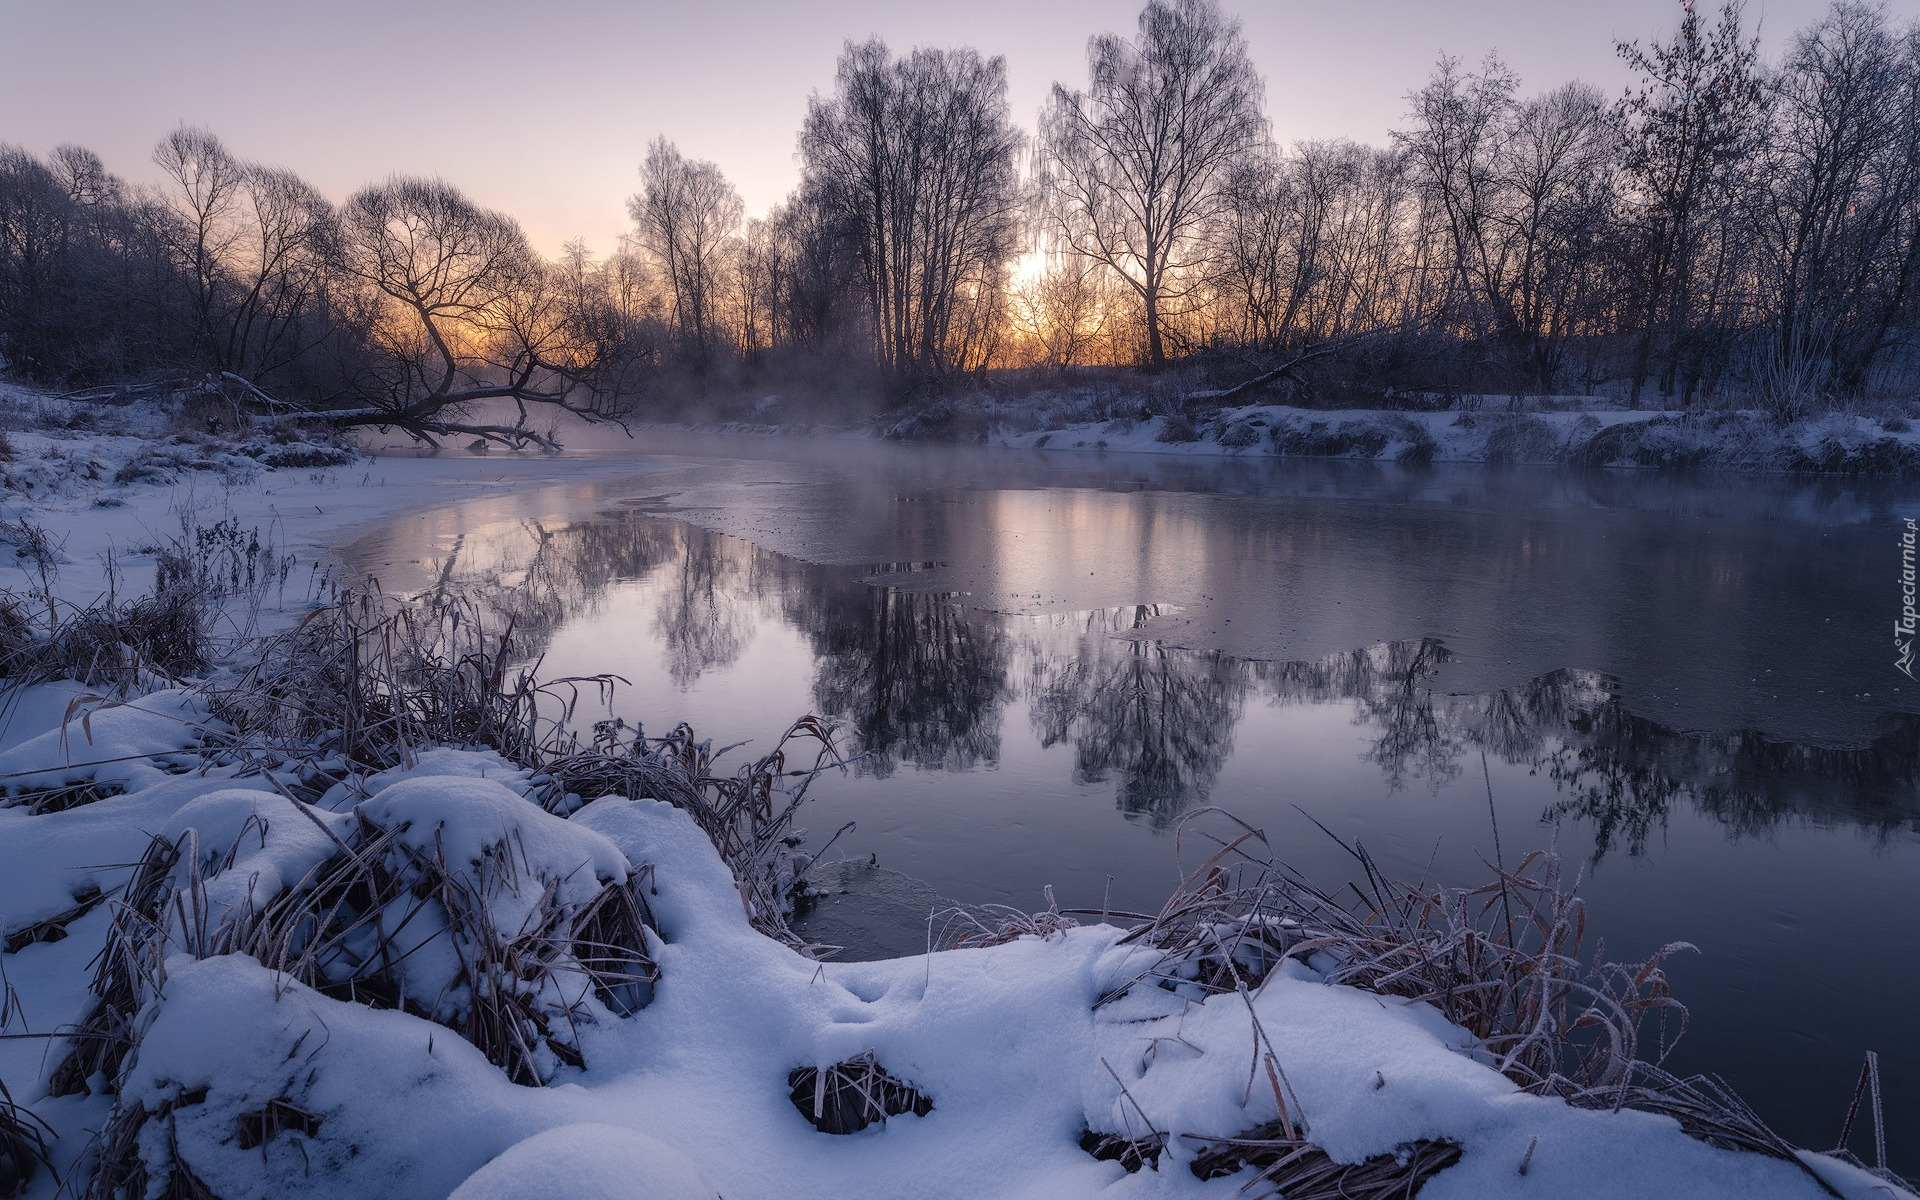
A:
<point x="688" y="1096"/>
<point x="1563" y="434"/>
<point x="107" y="742"/>
<point x="589" y="1161"/>
<point x="467" y="821"/>
<point x="111" y="489"/>
<point x="248" y="847"/>
<point x="48" y="861"/>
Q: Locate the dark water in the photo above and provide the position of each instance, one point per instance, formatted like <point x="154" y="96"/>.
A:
<point x="1686" y="686"/>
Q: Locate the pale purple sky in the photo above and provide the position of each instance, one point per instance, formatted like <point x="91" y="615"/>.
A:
<point x="544" y="109"/>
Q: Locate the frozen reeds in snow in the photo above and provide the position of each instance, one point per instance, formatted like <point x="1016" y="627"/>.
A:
<point x="1504" y="961"/>
<point x="998" y="924"/>
<point x="126" y="973"/>
<point x="103" y="748"/>
<point x="372" y="682"/>
<point x="851" y="1095"/>
<point x="23" y="1145"/>
<point x="1290" y="1166"/>
<point x="129" y="645"/>
<point x="747" y="814"/>
<point x="451" y="898"/>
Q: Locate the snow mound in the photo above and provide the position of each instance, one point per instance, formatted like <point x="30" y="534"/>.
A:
<point x="110" y="744"/>
<point x="1006" y="1039"/>
<point x="589" y="1162"/>
<point x="457" y="762"/>
<point x="467" y="822"/>
<point x="249" y="847"/>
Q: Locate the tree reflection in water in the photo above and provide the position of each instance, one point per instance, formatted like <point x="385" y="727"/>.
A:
<point x="917" y="677"/>
<point x="923" y="679"/>
<point x="1159" y="721"/>
<point x="703" y="618"/>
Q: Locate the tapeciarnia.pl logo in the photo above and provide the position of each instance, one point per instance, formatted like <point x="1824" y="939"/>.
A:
<point x="1903" y="628"/>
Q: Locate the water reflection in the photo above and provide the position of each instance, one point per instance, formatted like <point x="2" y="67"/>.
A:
<point x="700" y="619"/>
<point x="914" y="676"/>
<point x="925" y="680"/>
<point x="1156" y="721"/>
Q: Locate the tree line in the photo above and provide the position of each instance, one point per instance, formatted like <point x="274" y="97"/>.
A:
<point x="1728" y="228"/>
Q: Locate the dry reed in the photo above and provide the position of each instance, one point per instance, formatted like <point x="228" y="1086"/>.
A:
<point x="1288" y="1165"/>
<point x="24" y="1147"/>
<point x="349" y="928"/>
<point x="851" y="1095"/>
<point x="1504" y="961"/>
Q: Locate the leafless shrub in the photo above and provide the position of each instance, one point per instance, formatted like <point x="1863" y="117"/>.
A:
<point x="851" y="1095"/>
<point x="31" y="543"/>
<point x="1177" y="428"/>
<point x="1522" y="439"/>
<point x="1241" y="434"/>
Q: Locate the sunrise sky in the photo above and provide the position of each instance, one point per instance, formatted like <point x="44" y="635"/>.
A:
<point x="544" y="110"/>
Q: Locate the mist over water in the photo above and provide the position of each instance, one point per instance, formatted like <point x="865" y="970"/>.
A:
<point x="1047" y="663"/>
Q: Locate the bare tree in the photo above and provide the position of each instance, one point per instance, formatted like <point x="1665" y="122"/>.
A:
<point x="1682" y="132"/>
<point x="1840" y="218"/>
<point x="203" y="186"/>
<point x="914" y="159"/>
<point x="459" y="311"/>
<point x="1061" y="311"/>
<point x="1135" y="168"/>
<point x="1521" y="185"/>
<point x="252" y="246"/>
<point x="1459" y="122"/>
<point x="1556" y="196"/>
<point x="687" y="214"/>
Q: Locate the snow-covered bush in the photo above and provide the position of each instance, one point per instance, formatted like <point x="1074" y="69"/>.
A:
<point x="454" y="899"/>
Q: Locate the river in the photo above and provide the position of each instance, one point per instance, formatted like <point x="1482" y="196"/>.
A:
<point x="1683" y="684"/>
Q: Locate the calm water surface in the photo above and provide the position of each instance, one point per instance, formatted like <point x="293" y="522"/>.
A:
<point x="1683" y="684"/>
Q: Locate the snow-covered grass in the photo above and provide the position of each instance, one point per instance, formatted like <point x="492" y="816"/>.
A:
<point x="242" y="1081"/>
<point x="359" y="916"/>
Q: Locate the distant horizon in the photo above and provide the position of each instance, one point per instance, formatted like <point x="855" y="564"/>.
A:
<point x="728" y="83"/>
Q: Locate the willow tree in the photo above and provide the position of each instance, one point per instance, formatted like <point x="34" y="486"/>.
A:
<point x="1135" y="169"/>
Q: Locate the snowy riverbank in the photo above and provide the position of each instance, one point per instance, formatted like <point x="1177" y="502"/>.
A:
<point x="380" y="968"/>
<point x="1839" y="443"/>
<point x="1576" y="432"/>
<point x="1011" y="1043"/>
